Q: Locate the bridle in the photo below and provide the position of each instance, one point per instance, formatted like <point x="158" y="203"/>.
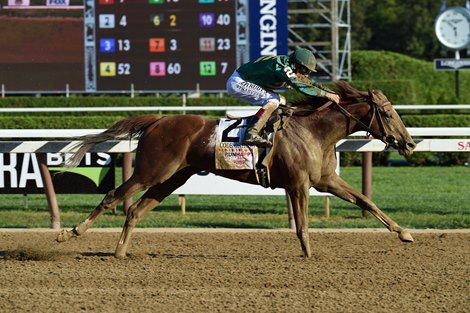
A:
<point x="386" y="138"/>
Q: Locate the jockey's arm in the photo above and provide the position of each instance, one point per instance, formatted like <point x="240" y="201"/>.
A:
<point x="313" y="89"/>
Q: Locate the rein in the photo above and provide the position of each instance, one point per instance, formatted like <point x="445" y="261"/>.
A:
<point x="297" y="111"/>
<point x="386" y="138"/>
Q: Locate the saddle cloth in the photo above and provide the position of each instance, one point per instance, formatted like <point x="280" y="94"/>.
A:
<point x="231" y="154"/>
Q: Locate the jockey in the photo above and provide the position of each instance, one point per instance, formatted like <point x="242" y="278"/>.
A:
<point x="255" y="82"/>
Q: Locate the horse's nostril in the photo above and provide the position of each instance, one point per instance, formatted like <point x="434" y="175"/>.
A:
<point x="411" y="145"/>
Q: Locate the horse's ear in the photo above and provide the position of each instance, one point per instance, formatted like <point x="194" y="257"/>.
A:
<point x="374" y="94"/>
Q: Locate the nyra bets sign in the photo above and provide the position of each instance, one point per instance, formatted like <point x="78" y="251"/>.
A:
<point x="20" y="173"/>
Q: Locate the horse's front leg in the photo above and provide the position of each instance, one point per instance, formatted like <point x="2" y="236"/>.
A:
<point x="299" y="201"/>
<point x="337" y="186"/>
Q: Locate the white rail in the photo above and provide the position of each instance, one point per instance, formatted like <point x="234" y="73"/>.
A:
<point x="70" y="133"/>
<point x="125" y="109"/>
<point x="205" y="108"/>
<point x="61" y="140"/>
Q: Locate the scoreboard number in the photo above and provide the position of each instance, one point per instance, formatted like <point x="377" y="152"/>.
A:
<point x="206" y="19"/>
<point x="107" y="45"/>
<point x="157" y="69"/>
<point x="124" y="44"/>
<point x="156" y="19"/>
<point x="107" y="69"/>
<point x="157" y="44"/>
<point x="207" y="68"/>
<point x="123" y="21"/>
<point x="124" y="69"/>
<point x="223" y="44"/>
<point x="224" y="66"/>
<point x="223" y="19"/>
<point x="106" y="20"/>
<point x="174" y="69"/>
<point x="207" y="44"/>
<point x="173" y="20"/>
<point x="173" y="44"/>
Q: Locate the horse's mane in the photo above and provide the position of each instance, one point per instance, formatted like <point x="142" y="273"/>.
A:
<point x="347" y="93"/>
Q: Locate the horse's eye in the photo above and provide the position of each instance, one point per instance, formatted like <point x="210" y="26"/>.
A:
<point x="386" y="116"/>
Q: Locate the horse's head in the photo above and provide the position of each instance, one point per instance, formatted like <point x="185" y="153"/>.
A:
<point x="377" y="115"/>
<point x="388" y="124"/>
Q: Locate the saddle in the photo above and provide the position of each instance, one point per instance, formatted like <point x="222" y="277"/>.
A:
<point x="232" y="154"/>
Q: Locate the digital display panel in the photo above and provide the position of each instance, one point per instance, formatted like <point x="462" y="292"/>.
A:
<point x="115" y="46"/>
<point x="170" y="45"/>
<point x="41" y="49"/>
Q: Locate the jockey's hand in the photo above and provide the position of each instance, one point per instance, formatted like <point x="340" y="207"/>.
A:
<point x="333" y="97"/>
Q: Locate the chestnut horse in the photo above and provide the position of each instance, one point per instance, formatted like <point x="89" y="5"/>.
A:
<point x="173" y="148"/>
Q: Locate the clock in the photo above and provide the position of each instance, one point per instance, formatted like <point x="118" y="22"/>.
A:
<point x="452" y="27"/>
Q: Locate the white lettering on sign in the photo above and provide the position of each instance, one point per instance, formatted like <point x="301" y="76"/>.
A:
<point x="10" y="168"/>
<point x="54" y="159"/>
<point x="456" y="63"/>
<point x="58" y="2"/>
<point x="29" y="171"/>
<point x="20" y="173"/>
<point x="268" y="27"/>
<point x="25" y="175"/>
<point x="59" y="159"/>
<point x="104" y="159"/>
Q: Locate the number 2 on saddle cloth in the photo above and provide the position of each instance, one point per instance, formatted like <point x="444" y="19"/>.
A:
<point x="232" y="154"/>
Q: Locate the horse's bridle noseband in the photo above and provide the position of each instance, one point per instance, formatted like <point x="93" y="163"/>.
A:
<point x="389" y="140"/>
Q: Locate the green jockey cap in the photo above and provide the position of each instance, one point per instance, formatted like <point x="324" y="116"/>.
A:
<point x="305" y="58"/>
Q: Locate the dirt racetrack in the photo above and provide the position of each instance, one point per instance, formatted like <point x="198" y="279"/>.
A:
<point x="228" y="271"/>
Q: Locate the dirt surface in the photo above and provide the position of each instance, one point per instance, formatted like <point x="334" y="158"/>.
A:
<point x="173" y="271"/>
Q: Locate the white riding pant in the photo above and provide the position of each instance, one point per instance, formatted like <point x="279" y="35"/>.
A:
<point x="250" y="92"/>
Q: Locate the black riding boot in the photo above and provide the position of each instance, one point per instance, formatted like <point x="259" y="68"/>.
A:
<point x="252" y="135"/>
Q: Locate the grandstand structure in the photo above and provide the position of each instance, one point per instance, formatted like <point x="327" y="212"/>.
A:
<point x="323" y="26"/>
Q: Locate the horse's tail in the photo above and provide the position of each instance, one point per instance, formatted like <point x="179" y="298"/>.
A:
<point x="129" y="127"/>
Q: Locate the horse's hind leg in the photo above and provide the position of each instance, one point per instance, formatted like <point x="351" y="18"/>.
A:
<point x="134" y="214"/>
<point x="337" y="186"/>
<point x="147" y="202"/>
<point x="111" y="200"/>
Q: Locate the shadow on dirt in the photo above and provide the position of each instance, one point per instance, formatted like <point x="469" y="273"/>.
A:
<point x="29" y="255"/>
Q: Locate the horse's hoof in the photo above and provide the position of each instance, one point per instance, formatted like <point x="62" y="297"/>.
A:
<point x="64" y="235"/>
<point x="119" y="255"/>
<point x="405" y="236"/>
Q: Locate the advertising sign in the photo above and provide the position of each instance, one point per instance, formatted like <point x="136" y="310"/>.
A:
<point x="58" y="2"/>
<point x="268" y="28"/>
<point x="19" y="173"/>
<point x="451" y="64"/>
